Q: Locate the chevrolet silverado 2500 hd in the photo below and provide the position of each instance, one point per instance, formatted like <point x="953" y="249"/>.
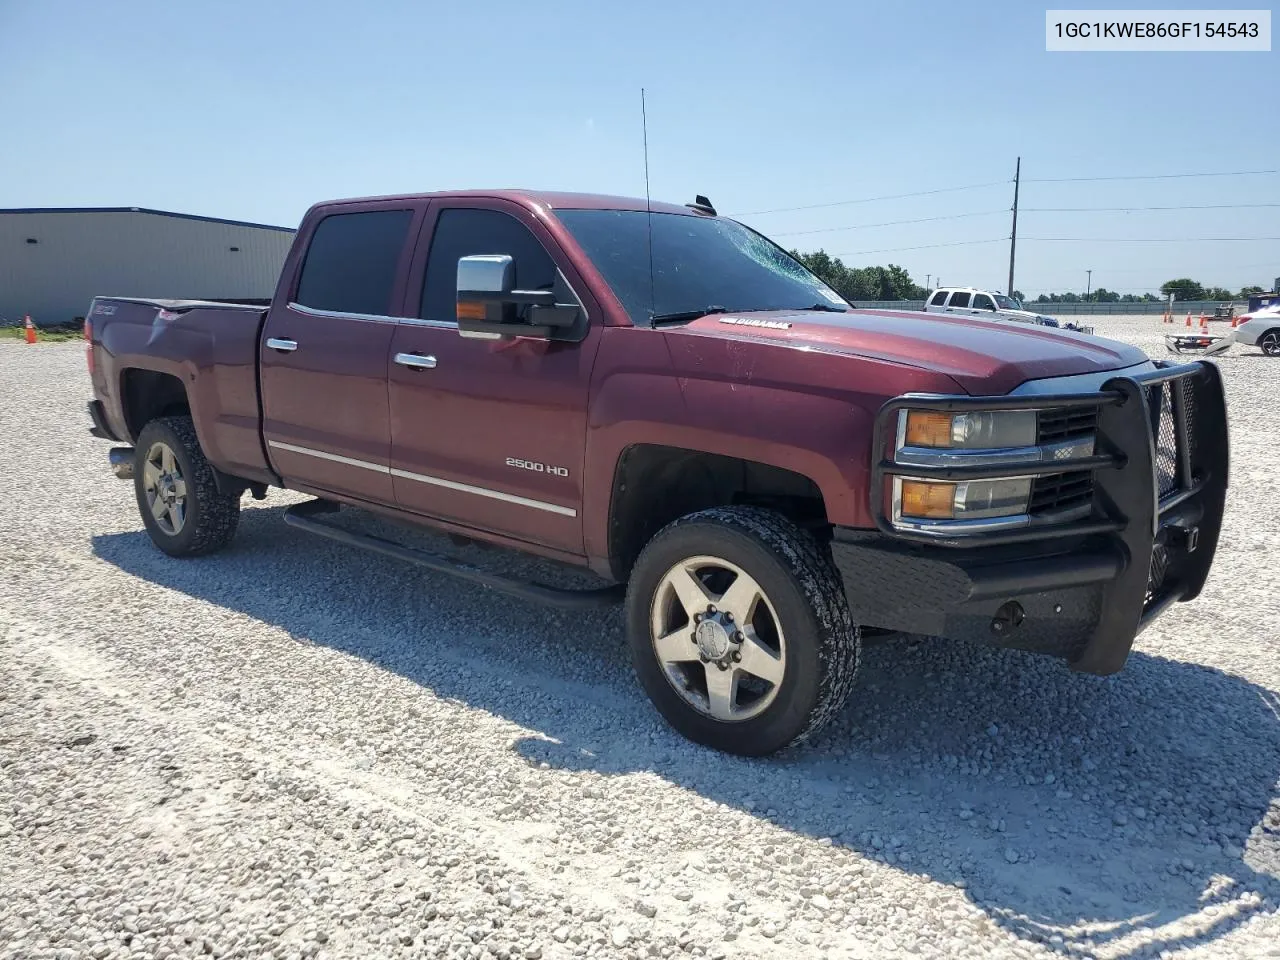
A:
<point x="665" y="397"/>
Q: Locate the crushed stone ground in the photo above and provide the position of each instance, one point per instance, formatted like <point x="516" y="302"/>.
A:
<point x="293" y="749"/>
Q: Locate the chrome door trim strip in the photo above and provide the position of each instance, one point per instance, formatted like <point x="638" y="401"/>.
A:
<point x="433" y="481"/>
<point x="486" y="492"/>
<point x="423" y="322"/>
<point x="336" y="315"/>
<point x="349" y="461"/>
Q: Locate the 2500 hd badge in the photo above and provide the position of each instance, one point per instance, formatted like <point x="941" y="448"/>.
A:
<point x="537" y="467"/>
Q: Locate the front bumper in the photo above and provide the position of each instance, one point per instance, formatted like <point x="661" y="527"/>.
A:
<point x="1081" y="589"/>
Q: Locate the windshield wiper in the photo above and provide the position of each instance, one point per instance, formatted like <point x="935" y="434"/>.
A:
<point x="824" y="307"/>
<point x="688" y="314"/>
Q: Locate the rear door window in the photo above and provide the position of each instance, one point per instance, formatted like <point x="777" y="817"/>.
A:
<point x="465" y="233"/>
<point x="351" y="262"/>
<point x="959" y="300"/>
<point x="939" y="299"/>
<point x="982" y="302"/>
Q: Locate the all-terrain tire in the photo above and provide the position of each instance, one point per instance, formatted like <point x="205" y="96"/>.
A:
<point x="211" y="518"/>
<point x="796" y="575"/>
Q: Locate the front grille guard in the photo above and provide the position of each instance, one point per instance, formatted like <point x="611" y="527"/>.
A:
<point x="1166" y="531"/>
<point x="1179" y="389"/>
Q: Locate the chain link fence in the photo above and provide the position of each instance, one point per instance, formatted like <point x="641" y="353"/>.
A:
<point x="1180" y="307"/>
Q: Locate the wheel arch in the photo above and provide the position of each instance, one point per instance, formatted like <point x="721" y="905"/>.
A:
<point x="655" y="484"/>
<point x="147" y="394"/>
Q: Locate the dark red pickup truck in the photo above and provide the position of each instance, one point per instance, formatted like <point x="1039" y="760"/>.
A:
<point x="665" y="397"/>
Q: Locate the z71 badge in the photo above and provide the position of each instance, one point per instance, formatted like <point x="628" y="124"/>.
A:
<point x="537" y="467"/>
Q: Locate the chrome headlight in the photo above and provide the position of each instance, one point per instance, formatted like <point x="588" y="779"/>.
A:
<point x="966" y="500"/>
<point x="974" y="430"/>
<point x="971" y="439"/>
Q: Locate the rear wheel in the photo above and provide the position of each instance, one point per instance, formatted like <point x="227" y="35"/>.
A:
<point x="1270" y="343"/>
<point x="178" y="498"/>
<point x="739" y="630"/>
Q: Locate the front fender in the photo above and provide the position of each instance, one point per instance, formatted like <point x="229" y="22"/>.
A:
<point x="808" y="412"/>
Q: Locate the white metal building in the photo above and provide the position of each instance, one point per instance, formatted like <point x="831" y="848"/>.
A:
<point x="54" y="261"/>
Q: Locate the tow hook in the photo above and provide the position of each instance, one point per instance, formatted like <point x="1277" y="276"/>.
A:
<point x="1008" y="618"/>
<point x="122" y="462"/>
<point x="1185" y="538"/>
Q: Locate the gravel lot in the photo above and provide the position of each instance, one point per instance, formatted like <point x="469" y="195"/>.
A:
<point x="293" y="749"/>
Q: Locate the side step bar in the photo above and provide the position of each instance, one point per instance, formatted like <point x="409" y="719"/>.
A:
<point x="301" y="515"/>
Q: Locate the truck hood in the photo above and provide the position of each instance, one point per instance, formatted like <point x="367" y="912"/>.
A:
<point x="988" y="357"/>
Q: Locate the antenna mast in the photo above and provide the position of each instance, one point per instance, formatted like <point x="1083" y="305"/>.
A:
<point x="648" y="206"/>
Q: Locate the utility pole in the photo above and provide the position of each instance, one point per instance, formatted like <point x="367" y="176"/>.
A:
<point x="1088" y="284"/>
<point x="1013" y="235"/>
<point x="927" y="277"/>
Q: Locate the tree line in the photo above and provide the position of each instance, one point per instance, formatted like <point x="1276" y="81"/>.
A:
<point x="894" y="283"/>
<point x="1183" y="288"/>
<point x="862" y="283"/>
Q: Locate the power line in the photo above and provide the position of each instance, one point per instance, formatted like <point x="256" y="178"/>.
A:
<point x="1158" y="176"/>
<point x="1153" y="239"/>
<point x="889" y="223"/>
<point x="927" y="246"/>
<point x="895" y="196"/>
<point x="1204" y="206"/>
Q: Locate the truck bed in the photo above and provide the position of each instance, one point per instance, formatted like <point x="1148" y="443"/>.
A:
<point x="209" y="346"/>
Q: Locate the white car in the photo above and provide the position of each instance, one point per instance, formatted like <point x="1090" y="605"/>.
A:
<point x="1261" y="329"/>
<point x="969" y="301"/>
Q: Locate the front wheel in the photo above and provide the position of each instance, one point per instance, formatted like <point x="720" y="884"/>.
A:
<point x="178" y="498"/>
<point x="739" y="630"/>
<point x="1270" y="343"/>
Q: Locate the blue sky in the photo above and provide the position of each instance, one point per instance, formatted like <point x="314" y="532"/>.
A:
<point x="254" y="110"/>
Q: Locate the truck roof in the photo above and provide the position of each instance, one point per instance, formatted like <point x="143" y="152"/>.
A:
<point x="549" y="199"/>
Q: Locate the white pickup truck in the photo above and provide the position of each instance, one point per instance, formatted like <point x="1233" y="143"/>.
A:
<point x="972" y="302"/>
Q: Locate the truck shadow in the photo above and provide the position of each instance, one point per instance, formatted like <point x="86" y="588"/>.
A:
<point x="1089" y="815"/>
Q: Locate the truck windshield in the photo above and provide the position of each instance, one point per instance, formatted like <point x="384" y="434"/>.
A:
<point x="700" y="265"/>
<point x="1006" y="303"/>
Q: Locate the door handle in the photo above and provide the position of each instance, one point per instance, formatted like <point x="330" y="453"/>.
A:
<point x="415" y="361"/>
<point x="283" y="344"/>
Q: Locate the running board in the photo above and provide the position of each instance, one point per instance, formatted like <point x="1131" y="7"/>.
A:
<point x="301" y="515"/>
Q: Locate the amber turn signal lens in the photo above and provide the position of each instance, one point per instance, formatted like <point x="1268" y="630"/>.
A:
<point x="470" y="310"/>
<point x="928" y="428"/>
<point x="929" y="501"/>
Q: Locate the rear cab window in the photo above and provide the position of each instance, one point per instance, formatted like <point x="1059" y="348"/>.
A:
<point x="939" y="299"/>
<point x="959" y="299"/>
<point x="351" y="262"/>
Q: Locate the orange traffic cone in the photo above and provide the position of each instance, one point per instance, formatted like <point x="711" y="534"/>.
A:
<point x="1188" y="318"/>
<point x="1204" y="323"/>
<point x="1235" y="322"/>
<point x="31" y="330"/>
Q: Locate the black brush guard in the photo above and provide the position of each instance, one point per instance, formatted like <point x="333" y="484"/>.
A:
<point x="1082" y="588"/>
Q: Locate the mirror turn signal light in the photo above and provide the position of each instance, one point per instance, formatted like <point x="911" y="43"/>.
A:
<point x="928" y="500"/>
<point x="471" y="310"/>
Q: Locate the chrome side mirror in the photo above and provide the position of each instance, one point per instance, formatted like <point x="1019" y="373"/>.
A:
<point x="488" y="307"/>
<point x="486" y="273"/>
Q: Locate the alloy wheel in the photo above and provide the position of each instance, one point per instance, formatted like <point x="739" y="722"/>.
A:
<point x="718" y="638"/>
<point x="165" y="488"/>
